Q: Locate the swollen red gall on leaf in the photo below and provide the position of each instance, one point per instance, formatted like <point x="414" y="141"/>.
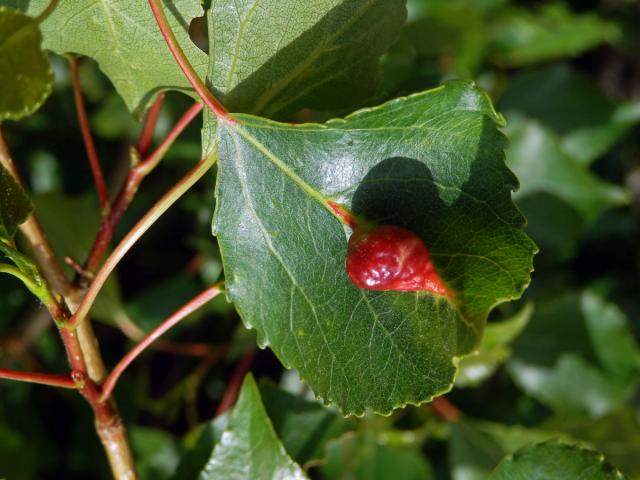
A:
<point x="389" y="257"/>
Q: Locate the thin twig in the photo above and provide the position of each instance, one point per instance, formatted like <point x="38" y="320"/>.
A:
<point x="231" y="393"/>
<point x="62" y="381"/>
<point x="81" y="346"/>
<point x="192" y="76"/>
<point x="445" y="409"/>
<point x="187" y="349"/>
<point x="149" y="125"/>
<point x="92" y="154"/>
<point x="136" y="232"/>
<point x="130" y="187"/>
<point x="149" y="163"/>
<point x="167" y="324"/>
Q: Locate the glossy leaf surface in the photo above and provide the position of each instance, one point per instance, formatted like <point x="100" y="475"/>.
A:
<point x="249" y="447"/>
<point x="431" y="163"/>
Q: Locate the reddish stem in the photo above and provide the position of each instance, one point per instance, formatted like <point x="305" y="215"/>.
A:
<point x="343" y="214"/>
<point x="150" y="162"/>
<point x="130" y="187"/>
<point x="161" y="206"/>
<point x="187" y="349"/>
<point x="205" y="94"/>
<point x="63" y="381"/>
<point x="167" y="324"/>
<point x="94" y="161"/>
<point x="82" y="353"/>
<point x="231" y="393"/>
<point x="445" y="409"/>
<point x="108" y="422"/>
<point x="149" y="125"/>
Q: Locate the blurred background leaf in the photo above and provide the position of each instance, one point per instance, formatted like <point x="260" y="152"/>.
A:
<point x="562" y="363"/>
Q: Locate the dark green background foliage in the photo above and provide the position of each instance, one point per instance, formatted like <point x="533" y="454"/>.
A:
<point x="555" y="374"/>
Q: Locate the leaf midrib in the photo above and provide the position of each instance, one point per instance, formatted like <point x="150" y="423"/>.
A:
<point x="288" y="171"/>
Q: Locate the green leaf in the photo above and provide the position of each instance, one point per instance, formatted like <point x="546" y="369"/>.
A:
<point x="493" y="350"/>
<point x="577" y="356"/>
<point x="433" y="163"/>
<point x="365" y="457"/>
<point x="199" y="445"/>
<point x="613" y="342"/>
<point x="25" y="74"/>
<point x="124" y="38"/>
<point x="276" y="56"/>
<point x="555" y="460"/>
<point x="304" y="427"/>
<point x="15" y="206"/>
<point x="537" y="158"/>
<point x="522" y="37"/>
<point x="587" y="121"/>
<point x="616" y="435"/>
<point x="249" y="447"/>
<point x="476" y="447"/>
<point x="33" y="281"/>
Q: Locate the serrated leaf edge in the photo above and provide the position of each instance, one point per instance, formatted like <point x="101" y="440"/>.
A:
<point x="498" y="119"/>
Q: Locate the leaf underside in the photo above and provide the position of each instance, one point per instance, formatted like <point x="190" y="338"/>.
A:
<point x="432" y="163"/>
<point x="124" y="38"/>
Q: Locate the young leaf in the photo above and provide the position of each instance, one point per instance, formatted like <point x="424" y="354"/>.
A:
<point x="25" y="74"/>
<point x="281" y="55"/>
<point x="123" y="37"/>
<point x="555" y="460"/>
<point x="249" y="447"/>
<point x="15" y="206"/>
<point x="432" y="163"/>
